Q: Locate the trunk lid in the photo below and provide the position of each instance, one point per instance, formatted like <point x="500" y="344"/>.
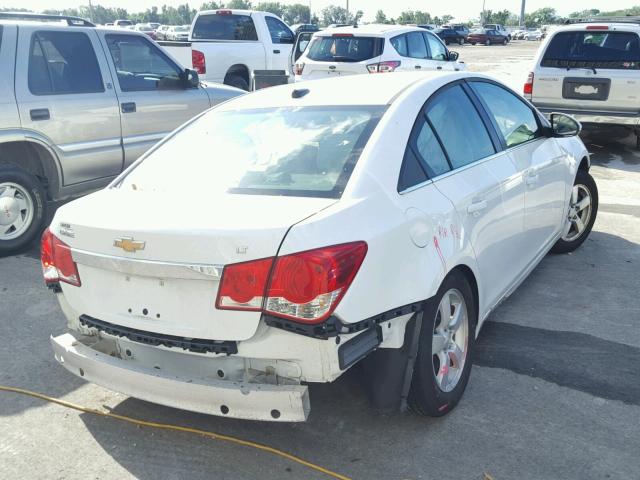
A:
<point x="152" y="262"/>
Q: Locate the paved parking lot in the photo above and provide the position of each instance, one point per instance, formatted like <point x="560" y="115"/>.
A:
<point x="554" y="392"/>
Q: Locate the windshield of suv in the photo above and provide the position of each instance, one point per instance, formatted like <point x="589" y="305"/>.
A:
<point x="340" y="48"/>
<point x="593" y="49"/>
<point x="303" y="151"/>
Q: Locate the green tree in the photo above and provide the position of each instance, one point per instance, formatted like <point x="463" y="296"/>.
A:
<point x="239" y="4"/>
<point x="297" y="13"/>
<point x="211" y="6"/>
<point x="446" y="19"/>
<point x="542" y="16"/>
<point x="334" y="14"/>
<point x="381" y="17"/>
<point x="276" y="8"/>
<point x="418" y="17"/>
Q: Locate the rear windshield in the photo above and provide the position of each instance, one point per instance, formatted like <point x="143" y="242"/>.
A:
<point x="304" y="151"/>
<point x="224" y="27"/>
<point x="345" y="49"/>
<point x="593" y="49"/>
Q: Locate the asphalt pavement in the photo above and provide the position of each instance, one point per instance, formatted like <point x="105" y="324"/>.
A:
<point x="554" y="391"/>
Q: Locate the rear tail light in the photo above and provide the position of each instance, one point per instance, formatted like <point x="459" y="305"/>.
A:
<point x="383" y="67"/>
<point x="198" y="62"/>
<point x="598" y="27"/>
<point x="57" y="262"/>
<point x="224" y="12"/>
<point x="528" y="86"/>
<point x="305" y="287"/>
<point x="339" y="35"/>
<point x="299" y="67"/>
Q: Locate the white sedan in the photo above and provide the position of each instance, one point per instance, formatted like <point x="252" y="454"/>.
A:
<point x="284" y="236"/>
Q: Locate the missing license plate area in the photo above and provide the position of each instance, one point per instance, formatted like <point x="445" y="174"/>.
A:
<point x="586" y="88"/>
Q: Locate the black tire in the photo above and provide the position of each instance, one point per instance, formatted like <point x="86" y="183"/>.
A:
<point x="34" y="189"/>
<point x="237" y="81"/>
<point x="505" y="41"/>
<point x="584" y="179"/>
<point x="446" y="42"/>
<point x="473" y="43"/>
<point x="461" y="41"/>
<point x="487" y="42"/>
<point x="425" y="396"/>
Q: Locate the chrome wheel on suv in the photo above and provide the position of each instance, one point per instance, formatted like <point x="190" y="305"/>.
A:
<point x="16" y="210"/>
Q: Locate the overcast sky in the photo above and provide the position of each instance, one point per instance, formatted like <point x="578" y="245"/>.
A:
<point x="461" y="9"/>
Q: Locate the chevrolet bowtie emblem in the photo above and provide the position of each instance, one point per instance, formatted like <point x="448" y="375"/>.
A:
<point x="128" y="244"/>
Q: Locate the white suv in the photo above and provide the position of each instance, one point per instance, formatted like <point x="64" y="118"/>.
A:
<point x="591" y="71"/>
<point x="374" y="49"/>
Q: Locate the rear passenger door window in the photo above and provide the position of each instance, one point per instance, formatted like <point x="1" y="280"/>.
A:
<point x="63" y="63"/>
<point x="459" y="127"/>
<point x="416" y="45"/>
<point x="515" y="120"/>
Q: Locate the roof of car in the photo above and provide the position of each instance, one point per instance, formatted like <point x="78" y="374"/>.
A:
<point x="379" y="89"/>
<point x="370" y="29"/>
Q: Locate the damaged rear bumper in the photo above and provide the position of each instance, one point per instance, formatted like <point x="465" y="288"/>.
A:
<point x="237" y="399"/>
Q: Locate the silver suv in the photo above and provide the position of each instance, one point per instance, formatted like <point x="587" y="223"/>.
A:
<point x="590" y="70"/>
<point x="78" y="104"/>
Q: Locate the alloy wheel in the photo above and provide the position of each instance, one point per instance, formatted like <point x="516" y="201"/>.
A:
<point x="450" y="340"/>
<point x="579" y="213"/>
<point x="16" y="210"/>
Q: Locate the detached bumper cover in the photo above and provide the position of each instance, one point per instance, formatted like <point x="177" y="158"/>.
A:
<point x="253" y="401"/>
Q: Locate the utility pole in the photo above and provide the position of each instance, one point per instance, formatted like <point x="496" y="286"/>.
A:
<point x="482" y="14"/>
<point x="347" y="19"/>
<point x="522" y="13"/>
<point x="90" y="11"/>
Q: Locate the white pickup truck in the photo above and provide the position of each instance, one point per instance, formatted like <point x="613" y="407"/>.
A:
<point x="228" y="46"/>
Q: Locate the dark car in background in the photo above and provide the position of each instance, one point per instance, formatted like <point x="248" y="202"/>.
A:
<point x="487" y="37"/>
<point x="449" y="35"/>
<point x="460" y="28"/>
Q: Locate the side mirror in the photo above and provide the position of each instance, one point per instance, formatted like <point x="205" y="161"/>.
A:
<point x="563" y="125"/>
<point x="191" y="79"/>
<point x="453" y="56"/>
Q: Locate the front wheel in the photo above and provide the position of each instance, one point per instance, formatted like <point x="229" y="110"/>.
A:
<point x="473" y="43"/>
<point x="487" y="42"/>
<point x="505" y="41"/>
<point x="583" y="208"/>
<point x="237" y="81"/>
<point x="447" y="338"/>
<point x="22" y="208"/>
<point x="461" y="41"/>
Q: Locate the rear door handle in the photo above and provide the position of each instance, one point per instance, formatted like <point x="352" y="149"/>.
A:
<point x="476" y="207"/>
<point x="438" y="68"/>
<point x="276" y="51"/>
<point x="128" y="107"/>
<point x="418" y="67"/>
<point x="39" y="114"/>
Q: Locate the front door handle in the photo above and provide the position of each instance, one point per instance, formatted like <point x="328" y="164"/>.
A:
<point x="418" y="67"/>
<point x="438" y="68"/>
<point x="128" y="107"/>
<point x="276" y="51"/>
<point x="476" y="207"/>
<point x="531" y="178"/>
<point x="39" y="114"/>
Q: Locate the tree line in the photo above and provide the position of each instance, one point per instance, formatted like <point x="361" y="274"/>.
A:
<point x="300" y="13"/>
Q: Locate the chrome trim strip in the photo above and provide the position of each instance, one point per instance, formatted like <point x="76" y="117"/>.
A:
<point x="148" y="268"/>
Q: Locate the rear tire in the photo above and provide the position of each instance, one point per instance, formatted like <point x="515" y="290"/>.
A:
<point x="461" y="41"/>
<point x="473" y="43"/>
<point x="435" y="394"/>
<point x="505" y="41"/>
<point x="487" y="42"/>
<point x="583" y="208"/>
<point x="237" y="81"/>
<point x="22" y="208"/>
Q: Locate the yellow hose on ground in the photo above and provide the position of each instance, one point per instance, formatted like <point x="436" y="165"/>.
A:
<point x="165" y="426"/>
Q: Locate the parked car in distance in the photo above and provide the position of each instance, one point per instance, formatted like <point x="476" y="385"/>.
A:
<point x="518" y="34"/>
<point x="498" y="28"/>
<point x="146" y="29"/>
<point x="229" y="45"/>
<point x="487" y="37"/>
<point x="154" y="25"/>
<point x="304" y="27"/>
<point x="178" y="33"/>
<point x="373" y="49"/>
<point x="591" y="71"/>
<point x="161" y="32"/>
<point x="533" y="35"/>
<point x="73" y="115"/>
<point x="297" y="205"/>
<point x="460" y="28"/>
<point x="123" y="23"/>
<point x="449" y="35"/>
